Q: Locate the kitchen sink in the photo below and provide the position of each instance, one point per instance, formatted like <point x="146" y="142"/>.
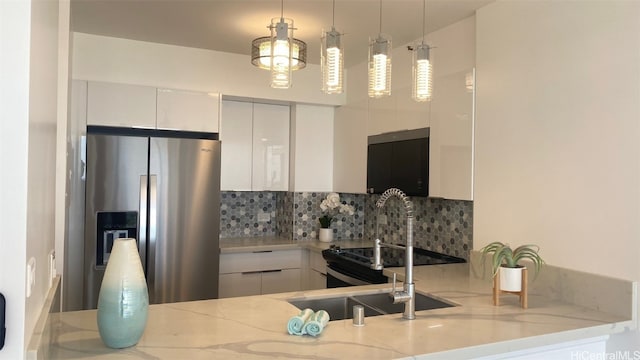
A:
<point x="341" y="307"/>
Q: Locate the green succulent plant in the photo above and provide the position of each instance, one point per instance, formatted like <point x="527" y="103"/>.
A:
<point x="503" y="255"/>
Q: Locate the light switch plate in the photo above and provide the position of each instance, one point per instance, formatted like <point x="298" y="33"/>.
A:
<point x="31" y="275"/>
<point x="52" y="267"/>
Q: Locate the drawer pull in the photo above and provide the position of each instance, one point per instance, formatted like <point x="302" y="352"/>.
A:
<point x="259" y="271"/>
<point x="262" y="251"/>
<point x="251" y="272"/>
<point x="271" y="271"/>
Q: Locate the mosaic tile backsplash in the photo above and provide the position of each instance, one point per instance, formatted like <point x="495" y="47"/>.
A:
<point x="439" y="225"/>
<point x="239" y="211"/>
<point x="306" y="211"/>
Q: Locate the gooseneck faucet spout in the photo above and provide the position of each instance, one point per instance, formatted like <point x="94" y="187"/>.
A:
<point x="407" y="295"/>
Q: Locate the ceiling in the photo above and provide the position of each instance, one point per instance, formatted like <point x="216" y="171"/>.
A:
<point x="230" y="25"/>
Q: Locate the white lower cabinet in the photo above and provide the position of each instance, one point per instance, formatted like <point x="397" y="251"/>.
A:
<point x="239" y="284"/>
<point x="277" y="281"/>
<point x="316" y="271"/>
<point x="262" y="272"/>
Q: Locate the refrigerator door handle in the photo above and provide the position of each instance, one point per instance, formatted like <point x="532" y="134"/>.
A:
<point x="153" y="236"/>
<point x="142" y="221"/>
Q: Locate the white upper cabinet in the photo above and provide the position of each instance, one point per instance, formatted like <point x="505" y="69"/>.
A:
<point x="255" y="146"/>
<point x="123" y="105"/>
<point x="236" y="135"/>
<point x="188" y="110"/>
<point x="270" y="147"/>
<point x="312" y="146"/>
<point x="451" y="138"/>
<point x="397" y="112"/>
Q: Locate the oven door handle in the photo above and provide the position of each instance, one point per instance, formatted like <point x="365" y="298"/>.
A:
<point x="347" y="279"/>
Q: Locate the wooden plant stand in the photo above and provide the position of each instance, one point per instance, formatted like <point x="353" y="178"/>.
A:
<point x="522" y="293"/>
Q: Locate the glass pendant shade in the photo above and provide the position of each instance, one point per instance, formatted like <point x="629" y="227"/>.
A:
<point x="261" y="53"/>
<point x="380" y="66"/>
<point x="281" y="51"/>
<point x="422" y="74"/>
<point x="332" y="62"/>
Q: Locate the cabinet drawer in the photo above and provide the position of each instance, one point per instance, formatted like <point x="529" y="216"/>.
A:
<point x="281" y="281"/>
<point x="260" y="261"/>
<point x="239" y="284"/>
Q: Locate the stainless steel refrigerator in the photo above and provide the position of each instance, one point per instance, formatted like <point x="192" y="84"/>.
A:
<point x="162" y="188"/>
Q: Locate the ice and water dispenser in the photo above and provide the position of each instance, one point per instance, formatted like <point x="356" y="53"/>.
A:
<point x="113" y="225"/>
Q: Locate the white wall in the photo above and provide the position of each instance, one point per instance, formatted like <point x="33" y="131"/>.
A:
<point x="15" y="28"/>
<point x="28" y="103"/>
<point x="558" y="132"/>
<point x="144" y="63"/>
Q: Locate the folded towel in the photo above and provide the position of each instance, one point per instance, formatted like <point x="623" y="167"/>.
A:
<point x="295" y="326"/>
<point x="316" y="323"/>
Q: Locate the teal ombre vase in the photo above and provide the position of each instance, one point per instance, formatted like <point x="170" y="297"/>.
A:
<point x="123" y="302"/>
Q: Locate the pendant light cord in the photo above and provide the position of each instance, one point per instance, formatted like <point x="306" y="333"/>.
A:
<point x="282" y="9"/>
<point x="333" y="15"/>
<point x="424" y="8"/>
<point x="380" y="17"/>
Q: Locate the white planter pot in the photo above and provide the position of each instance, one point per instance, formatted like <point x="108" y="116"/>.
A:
<point x="510" y="278"/>
<point x="325" y="235"/>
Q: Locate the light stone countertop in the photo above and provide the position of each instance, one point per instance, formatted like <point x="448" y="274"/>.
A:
<point x="266" y="243"/>
<point x="254" y="327"/>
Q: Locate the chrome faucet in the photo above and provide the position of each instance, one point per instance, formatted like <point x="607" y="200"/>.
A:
<point x="408" y="294"/>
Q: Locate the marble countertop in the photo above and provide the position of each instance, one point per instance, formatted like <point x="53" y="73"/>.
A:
<point x="254" y="327"/>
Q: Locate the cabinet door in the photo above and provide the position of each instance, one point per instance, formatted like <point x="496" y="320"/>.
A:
<point x="451" y="149"/>
<point x="236" y="135"/>
<point x="122" y="105"/>
<point x="317" y="280"/>
<point x="312" y="144"/>
<point x="239" y="284"/>
<point x="188" y="110"/>
<point x="317" y="262"/>
<point x="278" y="281"/>
<point x="270" y="147"/>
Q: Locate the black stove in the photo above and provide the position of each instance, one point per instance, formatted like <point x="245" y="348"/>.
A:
<point x="347" y="267"/>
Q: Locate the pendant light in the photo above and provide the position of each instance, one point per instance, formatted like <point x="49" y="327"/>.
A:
<point x="422" y="67"/>
<point x="279" y="53"/>
<point x="332" y="58"/>
<point x="380" y="64"/>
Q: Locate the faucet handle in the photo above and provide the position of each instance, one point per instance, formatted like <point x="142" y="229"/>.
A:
<point x="376" y="261"/>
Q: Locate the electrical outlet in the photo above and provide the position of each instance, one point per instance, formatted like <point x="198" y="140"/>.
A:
<point x="264" y="217"/>
<point x="382" y="219"/>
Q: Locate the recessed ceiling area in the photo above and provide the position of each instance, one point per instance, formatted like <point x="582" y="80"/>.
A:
<point x="230" y="25"/>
